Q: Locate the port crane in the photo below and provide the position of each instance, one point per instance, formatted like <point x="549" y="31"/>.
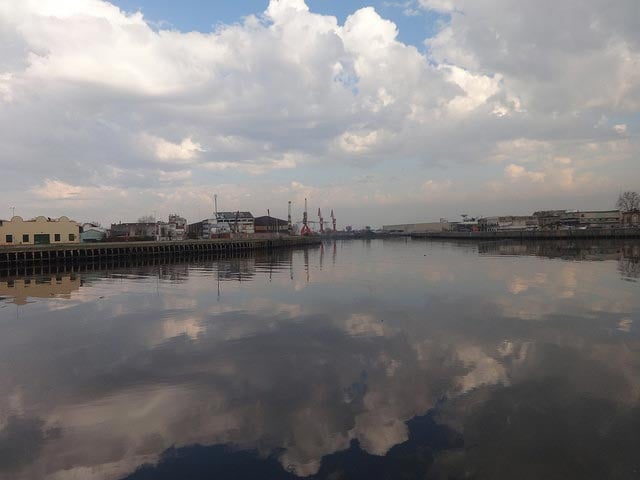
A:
<point x="323" y="226"/>
<point x="305" y="230"/>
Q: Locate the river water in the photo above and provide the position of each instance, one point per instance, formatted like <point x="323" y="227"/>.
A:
<point x="380" y="359"/>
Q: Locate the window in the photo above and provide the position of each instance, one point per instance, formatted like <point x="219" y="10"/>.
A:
<point x="72" y="237"/>
<point x="56" y="237"/>
<point x="25" y="238"/>
<point x="9" y="239"/>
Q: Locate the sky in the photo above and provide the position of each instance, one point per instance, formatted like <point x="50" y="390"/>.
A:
<point x="384" y="111"/>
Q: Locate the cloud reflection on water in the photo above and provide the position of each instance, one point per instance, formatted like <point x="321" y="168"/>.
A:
<point x="169" y="357"/>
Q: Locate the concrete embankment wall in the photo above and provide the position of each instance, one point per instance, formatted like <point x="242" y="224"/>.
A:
<point x="536" y="235"/>
<point x="91" y="252"/>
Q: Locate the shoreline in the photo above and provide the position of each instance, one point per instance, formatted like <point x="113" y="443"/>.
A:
<point x="11" y="256"/>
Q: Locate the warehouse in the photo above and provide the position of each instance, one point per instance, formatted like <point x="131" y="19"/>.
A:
<point x="39" y="231"/>
<point x="268" y="224"/>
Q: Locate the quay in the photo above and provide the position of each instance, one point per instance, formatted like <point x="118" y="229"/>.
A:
<point x="93" y="252"/>
<point x="574" y="234"/>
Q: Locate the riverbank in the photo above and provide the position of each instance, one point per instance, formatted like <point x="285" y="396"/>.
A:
<point x="92" y="252"/>
<point x="604" y="234"/>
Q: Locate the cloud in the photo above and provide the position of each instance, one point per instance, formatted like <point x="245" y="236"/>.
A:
<point x="184" y="152"/>
<point x="53" y="189"/>
<point x="121" y="105"/>
<point x="517" y="172"/>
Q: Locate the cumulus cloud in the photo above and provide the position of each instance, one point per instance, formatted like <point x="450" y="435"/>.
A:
<point x="112" y="99"/>
<point x="165" y="151"/>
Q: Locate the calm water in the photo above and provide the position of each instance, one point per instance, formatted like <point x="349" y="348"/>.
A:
<point x="365" y="360"/>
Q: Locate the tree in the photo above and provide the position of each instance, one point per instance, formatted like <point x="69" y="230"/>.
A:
<point x="628" y="202"/>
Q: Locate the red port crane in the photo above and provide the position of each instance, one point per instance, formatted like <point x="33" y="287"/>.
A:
<point x="333" y="220"/>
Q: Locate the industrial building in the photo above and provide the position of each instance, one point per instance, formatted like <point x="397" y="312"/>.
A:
<point x="238" y="222"/>
<point x="631" y="219"/>
<point x="137" y="230"/>
<point x="223" y="225"/>
<point x="39" y="231"/>
<point x="269" y="224"/>
<point x="563" y="219"/>
<point x="441" y="226"/>
<point x="508" y="223"/>
<point x="90" y="232"/>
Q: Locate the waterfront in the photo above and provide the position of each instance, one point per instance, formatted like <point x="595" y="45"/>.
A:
<point x="391" y="358"/>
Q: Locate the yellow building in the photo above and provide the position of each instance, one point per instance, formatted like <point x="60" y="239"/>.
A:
<point x="39" y="231"/>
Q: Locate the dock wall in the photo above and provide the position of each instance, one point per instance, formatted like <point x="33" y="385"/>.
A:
<point x="100" y="252"/>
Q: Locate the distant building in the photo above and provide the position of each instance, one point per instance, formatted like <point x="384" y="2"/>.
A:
<point x="173" y="230"/>
<point x="39" y="231"/>
<point x="90" y="232"/>
<point x="599" y="219"/>
<point x="568" y="219"/>
<point x="268" y="224"/>
<point x="468" y="224"/>
<point x="441" y="226"/>
<point x="202" y="230"/>
<point x="223" y="225"/>
<point x="237" y="222"/>
<point x="138" y="230"/>
<point x="508" y="223"/>
<point x="631" y="219"/>
<point x="549" y="219"/>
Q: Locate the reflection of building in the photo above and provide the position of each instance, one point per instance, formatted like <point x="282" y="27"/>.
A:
<point x="39" y="287"/>
<point x="268" y="224"/>
<point x="588" y="250"/>
<point x="39" y="231"/>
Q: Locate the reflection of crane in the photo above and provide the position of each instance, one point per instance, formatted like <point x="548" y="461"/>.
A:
<point x="333" y="220"/>
<point x="305" y="230"/>
<point x="321" y="221"/>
